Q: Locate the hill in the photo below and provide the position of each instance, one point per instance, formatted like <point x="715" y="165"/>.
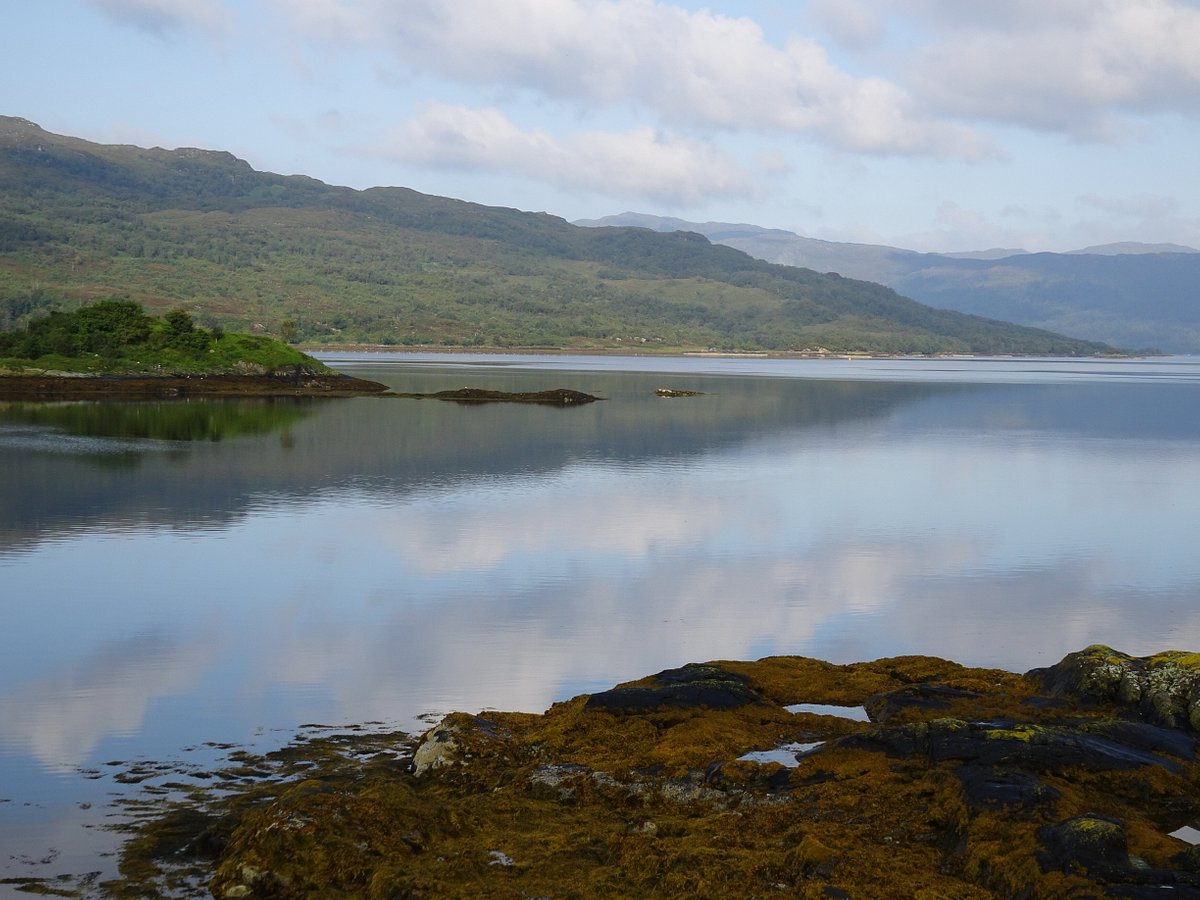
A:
<point x="1126" y="294"/>
<point x="289" y="255"/>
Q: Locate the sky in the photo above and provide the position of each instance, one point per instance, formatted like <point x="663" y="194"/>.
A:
<point x="935" y="125"/>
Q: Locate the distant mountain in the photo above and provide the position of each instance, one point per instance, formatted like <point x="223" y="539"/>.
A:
<point x="255" y="251"/>
<point x="1127" y="294"/>
<point x="1125" y="247"/>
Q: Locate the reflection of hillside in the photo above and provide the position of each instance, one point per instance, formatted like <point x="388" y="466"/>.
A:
<point x="391" y="447"/>
<point x="174" y="420"/>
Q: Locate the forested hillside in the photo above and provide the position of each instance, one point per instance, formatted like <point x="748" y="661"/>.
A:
<point x="1129" y="295"/>
<point x="294" y="257"/>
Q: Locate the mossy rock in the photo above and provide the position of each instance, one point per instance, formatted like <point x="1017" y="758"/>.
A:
<point x="1163" y="688"/>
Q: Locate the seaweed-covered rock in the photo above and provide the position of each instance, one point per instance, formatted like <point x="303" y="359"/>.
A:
<point x="972" y="784"/>
<point x="923" y="697"/>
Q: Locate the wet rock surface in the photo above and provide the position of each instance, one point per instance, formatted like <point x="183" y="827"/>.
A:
<point x="967" y="783"/>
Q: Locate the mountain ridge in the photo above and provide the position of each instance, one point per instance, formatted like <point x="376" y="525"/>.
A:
<point x="1127" y="294"/>
<point x="290" y="255"/>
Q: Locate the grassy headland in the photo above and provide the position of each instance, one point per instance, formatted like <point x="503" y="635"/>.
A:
<point x="114" y="348"/>
<point x="118" y="337"/>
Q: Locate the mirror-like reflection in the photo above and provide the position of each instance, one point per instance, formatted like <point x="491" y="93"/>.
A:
<point x="376" y="559"/>
<point x="186" y="419"/>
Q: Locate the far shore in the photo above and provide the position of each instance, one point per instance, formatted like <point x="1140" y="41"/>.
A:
<point x="396" y="349"/>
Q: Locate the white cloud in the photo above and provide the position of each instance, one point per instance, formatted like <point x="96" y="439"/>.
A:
<point x="162" y="17"/>
<point x="852" y="23"/>
<point x="642" y="163"/>
<point x="1072" y="67"/>
<point x="686" y="69"/>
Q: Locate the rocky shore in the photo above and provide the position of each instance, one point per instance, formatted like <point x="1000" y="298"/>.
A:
<point x="141" y="387"/>
<point x="909" y="777"/>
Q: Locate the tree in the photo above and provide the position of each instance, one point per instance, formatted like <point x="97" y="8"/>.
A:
<point x="179" y="322"/>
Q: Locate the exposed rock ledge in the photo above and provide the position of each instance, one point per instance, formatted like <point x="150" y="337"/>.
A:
<point x="140" y="387"/>
<point x="1064" y="782"/>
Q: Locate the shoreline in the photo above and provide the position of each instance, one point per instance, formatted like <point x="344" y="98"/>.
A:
<point x="139" y="387"/>
<point x="387" y="349"/>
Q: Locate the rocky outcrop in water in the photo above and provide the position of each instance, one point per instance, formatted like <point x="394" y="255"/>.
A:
<point x="554" y="397"/>
<point x="1065" y="782"/>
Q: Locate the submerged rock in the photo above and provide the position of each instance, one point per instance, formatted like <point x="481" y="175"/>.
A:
<point x="967" y="783"/>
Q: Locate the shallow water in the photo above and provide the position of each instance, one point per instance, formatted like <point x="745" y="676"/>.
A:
<point x="226" y="571"/>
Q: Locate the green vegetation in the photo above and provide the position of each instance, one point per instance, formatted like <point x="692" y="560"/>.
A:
<point x="166" y="420"/>
<point x="309" y="262"/>
<point x="1127" y="295"/>
<point x="117" y="336"/>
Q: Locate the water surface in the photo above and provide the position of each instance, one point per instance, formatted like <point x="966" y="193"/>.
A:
<point x="226" y="571"/>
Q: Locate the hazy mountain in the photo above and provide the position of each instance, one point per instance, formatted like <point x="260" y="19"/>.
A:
<point x="1126" y="294"/>
<point x="294" y="256"/>
<point x="1124" y="247"/>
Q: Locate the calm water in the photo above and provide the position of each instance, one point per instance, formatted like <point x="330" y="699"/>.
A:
<point x="172" y="574"/>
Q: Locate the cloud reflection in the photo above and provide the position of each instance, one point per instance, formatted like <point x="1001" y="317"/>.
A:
<point x="634" y="582"/>
<point x="525" y="646"/>
<point x="60" y="719"/>
<point x="517" y="587"/>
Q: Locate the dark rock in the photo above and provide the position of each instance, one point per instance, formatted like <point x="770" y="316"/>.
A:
<point x="990" y="787"/>
<point x="1089" y="842"/>
<point x="1189" y="860"/>
<point x="1039" y="748"/>
<point x="1144" y="736"/>
<point x="693" y="685"/>
<point x="1041" y="702"/>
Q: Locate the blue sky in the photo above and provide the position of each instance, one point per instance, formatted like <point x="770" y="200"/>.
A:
<point x="930" y="124"/>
